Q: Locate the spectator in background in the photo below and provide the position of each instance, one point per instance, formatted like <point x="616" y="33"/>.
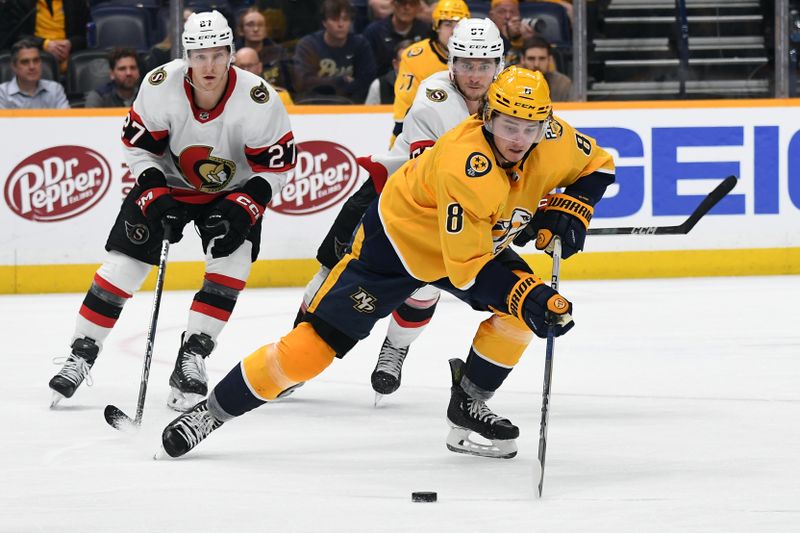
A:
<point x="121" y="89"/>
<point x="251" y="32"/>
<point x="161" y="53"/>
<point x="505" y="15"/>
<point x="290" y="20"/>
<point x="381" y="90"/>
<point x="27" y="89"/>
<point x="380" y="9"/>
<point x="334" y="61"/>
<point x="55" y="26"/>
<point x="247" y="59"/>
<point x="537" y="55"/>
<point x="383" y="35"/>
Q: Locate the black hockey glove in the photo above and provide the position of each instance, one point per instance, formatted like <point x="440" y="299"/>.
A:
<point x="565" y="216"/>
<point x="235" y="214"/>
<point x="159" y="206"/>
<point x="538" y="305"/>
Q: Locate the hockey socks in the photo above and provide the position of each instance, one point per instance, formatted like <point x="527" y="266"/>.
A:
<point x="100" y="310"/>
<point x="409" y="320"/>
<point x="213" y="304"/>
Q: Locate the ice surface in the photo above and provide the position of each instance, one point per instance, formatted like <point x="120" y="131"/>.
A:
<point x="675" y="407"/>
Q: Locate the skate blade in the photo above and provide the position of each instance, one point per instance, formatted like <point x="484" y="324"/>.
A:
<point x="378" y="398"/>
<point x="183" y="401"/>
<point x="459" y="441"/>
<point x="55" y="398"/>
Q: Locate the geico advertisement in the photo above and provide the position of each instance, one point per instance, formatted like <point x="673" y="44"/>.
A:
<point x="63" y="180"/>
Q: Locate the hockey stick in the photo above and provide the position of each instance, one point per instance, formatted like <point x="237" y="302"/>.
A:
<point x="114" y="415"/>
<point x="548" y="368"/>
<point x="705" y="206"/>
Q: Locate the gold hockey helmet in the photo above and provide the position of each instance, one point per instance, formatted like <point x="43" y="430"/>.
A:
<point x="449" y="10"/>
<point x="519" y="92"/>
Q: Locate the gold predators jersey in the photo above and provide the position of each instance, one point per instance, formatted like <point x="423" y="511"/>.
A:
<point x="448" y="212"/>
<point x="419" y="61"/>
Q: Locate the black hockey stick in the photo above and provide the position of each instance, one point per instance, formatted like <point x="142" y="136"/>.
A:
<point x="705" y="206"/>
<point x="113" y="414"/>
<point x="548" y="368"/>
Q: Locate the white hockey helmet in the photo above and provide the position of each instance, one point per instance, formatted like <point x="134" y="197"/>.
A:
<point x="476" y="38"/>
<point x="206" y="29"/>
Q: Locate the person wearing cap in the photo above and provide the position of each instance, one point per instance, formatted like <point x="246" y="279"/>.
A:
<point x="209" y="145"/>
<point x="443" y="218"/>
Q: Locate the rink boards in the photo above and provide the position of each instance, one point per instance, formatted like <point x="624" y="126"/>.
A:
<point x="63" y="178"/>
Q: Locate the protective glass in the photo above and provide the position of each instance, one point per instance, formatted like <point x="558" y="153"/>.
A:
<point x="516" y="130"/>
<point x="199" y="58"/>
<point x="483" y="68"/>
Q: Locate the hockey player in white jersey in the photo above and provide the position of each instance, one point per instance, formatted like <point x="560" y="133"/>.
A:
<point x="443" y="100"/>
<point x="210" y="144"/>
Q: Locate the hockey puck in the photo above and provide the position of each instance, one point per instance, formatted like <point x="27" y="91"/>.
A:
<point x="423" y="496"/>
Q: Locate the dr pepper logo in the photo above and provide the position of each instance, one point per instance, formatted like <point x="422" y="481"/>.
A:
<point x="325" y="175"/>
<point x="57" y="183"/>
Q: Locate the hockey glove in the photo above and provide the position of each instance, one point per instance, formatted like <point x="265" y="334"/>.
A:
<point x="235" y="214"/>
<point x="159" y="206"/>
<point x="538" y="306"/>
<point x="565" y="216"/>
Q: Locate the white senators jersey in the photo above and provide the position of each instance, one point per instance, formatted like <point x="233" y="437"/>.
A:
<point x="206" y="152"/>
<point x="438" y="107"/>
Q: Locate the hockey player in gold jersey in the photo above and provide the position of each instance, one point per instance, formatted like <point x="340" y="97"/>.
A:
<point x="424" y="58"/>
<point x="476" y="189"/>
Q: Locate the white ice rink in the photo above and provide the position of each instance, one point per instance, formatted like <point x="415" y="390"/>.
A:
<point x="675" y="408"/>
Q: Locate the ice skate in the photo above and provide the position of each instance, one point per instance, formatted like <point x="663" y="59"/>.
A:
<point x="387" y="374"/>
<point x="75" y="370"/>
<point x="187" y="431"/>
<point x="189" y="381"/>
<point x="468" y="416"/>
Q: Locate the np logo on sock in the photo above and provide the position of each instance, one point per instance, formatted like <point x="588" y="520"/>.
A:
<point x="365" y="302"/>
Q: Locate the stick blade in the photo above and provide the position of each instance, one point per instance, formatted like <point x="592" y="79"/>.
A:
<point x="119" y="420"/>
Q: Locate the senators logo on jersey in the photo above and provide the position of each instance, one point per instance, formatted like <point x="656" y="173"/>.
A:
<point x="436" y="95"/>
<point x="477" y="165"/>
<point x="259" y="94"/>
<point x="204" y="171"/>
<point x="157" y="77"/>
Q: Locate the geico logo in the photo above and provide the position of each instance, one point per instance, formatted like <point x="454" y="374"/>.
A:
<point x="324" y="174"/>
<point x="57" y="183"/>
<point x="666" y="171"/>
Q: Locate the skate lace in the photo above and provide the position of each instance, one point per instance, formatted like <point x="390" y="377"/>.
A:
<point x="480" y="411"/>
<point x="196" y="425"/>
<point x="75" y="369"/>
<point x="194" y="367"/>
<point x="391" y="358"/>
